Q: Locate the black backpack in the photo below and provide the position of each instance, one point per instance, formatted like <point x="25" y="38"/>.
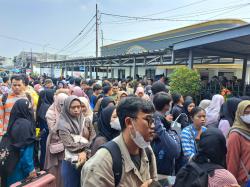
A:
<point x="116" y="155"/>
<point x="195" y="174"/>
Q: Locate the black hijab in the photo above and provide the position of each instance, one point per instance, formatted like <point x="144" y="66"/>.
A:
<point x="228" y="109"/>
<point x="104" y="127"/>
<point x="212" y="147"/>
<point x="21" y="127"/>
<point x="104" y="103"/>
<point x="47" y="96"/>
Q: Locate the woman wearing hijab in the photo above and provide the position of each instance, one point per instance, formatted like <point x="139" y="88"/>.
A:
<point x="76" y="140"/>
<point x="204" y="103"/>
<point x="53" y="159"/>
<point x="86" y="108"/>
<point x="77" y="91"/>
<point x="213" y="111"/>
<point x="140" y="93"/>
<point x="211" y="157"/>
<point x="108" y="126"/>
<point x="21" y="130"/>
<point x="120" y="95"/>
<point x="238" y="155"/>
<point x="106" y="101"/>
<point x="227" y="114"/>
<point x="46" y="98"/>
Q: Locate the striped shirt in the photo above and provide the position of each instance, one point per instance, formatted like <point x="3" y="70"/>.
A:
<point x="188" y="135"/>
<point x="5" y="111"/>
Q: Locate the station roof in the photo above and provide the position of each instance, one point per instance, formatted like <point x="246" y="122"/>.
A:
<point x="234" y="43"/>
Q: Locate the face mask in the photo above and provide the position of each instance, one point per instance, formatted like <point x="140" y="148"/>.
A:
<point x="115" y="124"/>
<point x="245" y="119"/>
<point x="138" y="139"/>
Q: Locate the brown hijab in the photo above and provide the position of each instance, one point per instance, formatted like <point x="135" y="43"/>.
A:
<point x="238" y="124"/>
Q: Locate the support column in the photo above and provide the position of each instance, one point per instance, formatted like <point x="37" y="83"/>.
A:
<point x="85" y="71"/>
<point x="90" y="70"/>
<point x="72" y="71"/>
<point x="96" y="72"/>
<point x="52" y="71"/>
<point x="190" y="59"/>
<point x="130" y="71"/>
<point x="172" y="57"/>
<point x="134" y="66"/>
<point x="107" y="72"/>
<point x="243" y="78"/>
<point x="66" y="70"/>
<point x="112" y="72"/>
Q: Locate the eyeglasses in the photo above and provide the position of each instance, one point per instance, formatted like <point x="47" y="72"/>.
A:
<point x="150" y="120"/>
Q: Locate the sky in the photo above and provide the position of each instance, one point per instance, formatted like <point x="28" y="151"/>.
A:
<point x="49" y="25"/>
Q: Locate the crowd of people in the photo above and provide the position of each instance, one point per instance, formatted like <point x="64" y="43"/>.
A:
<point x="120" y="133"/>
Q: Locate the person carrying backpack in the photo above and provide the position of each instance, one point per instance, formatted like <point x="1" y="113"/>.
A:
<point x="166" y="144"/>
<point x="208" y="166"/>
<point x="130" y="151"/>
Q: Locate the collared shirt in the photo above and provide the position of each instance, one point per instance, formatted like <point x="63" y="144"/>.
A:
<point x="188" y="136"/>
<point x="98" y="170"/>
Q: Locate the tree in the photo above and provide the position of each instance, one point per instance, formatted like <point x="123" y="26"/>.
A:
<point x="185" y="81"/>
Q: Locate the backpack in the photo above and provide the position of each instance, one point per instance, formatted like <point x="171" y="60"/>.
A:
<point x="195" y="174"/>
<point x="9" y="156"/>
<point x="116" y="155"/>
<point x="4" y="98"/>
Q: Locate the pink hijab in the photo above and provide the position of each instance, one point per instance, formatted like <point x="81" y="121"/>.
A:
<point x="213" y="110"/>
<point x="53" y="113"/>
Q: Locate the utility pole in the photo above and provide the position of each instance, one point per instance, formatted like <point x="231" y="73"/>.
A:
<point x="102" y="37"/>
<point x="96" y="16"/>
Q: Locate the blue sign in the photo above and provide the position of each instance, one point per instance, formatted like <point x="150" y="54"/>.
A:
<point x="82" y="68"/>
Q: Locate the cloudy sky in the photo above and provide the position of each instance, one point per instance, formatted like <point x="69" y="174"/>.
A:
<point x="49" y="25"/>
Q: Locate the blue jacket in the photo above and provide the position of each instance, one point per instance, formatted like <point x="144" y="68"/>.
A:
<point x="166" y="146"/>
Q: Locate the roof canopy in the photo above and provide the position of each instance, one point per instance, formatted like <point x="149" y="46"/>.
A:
<point x="233" y="43"/>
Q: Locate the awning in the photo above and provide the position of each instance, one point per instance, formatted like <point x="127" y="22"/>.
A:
<point x="205" y="66"/>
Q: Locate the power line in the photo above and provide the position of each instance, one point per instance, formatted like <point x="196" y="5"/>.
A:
<point x="180" y="7"/>
<point x="25" y="41"/>
<point x="75" y="52"/>
<point x="79" y="40"/>
<point x="79" y="34"/>
<point x="148" y="18"/>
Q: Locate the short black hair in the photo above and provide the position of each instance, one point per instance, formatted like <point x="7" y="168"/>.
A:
<point x="18" y="78"/>
<point x="26" y="79"/>
<point x="91" y="82"/>
<point x="106" y="89"/>
<point x="161" y="99"/>
<point x="158" y="87"/>
<point x="77" y="82"/>
<point x="195" y="111"/>
<point x="115" y="84"/>
<point x="71" y="80"/>
<point x="131" y="106"/>
<point x="176" y="97"/>
<point x="97" y="87"/>
<point x="5" y="79"/>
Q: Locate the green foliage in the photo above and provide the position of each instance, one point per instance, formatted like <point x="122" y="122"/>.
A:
<point x="185" y="81"/>
<point x="34" y="75"/>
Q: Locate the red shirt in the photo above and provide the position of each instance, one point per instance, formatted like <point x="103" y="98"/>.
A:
<point x="238" y="149"/>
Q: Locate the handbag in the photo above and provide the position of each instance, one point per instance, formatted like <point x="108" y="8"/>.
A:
<point x="57" y="147"/>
